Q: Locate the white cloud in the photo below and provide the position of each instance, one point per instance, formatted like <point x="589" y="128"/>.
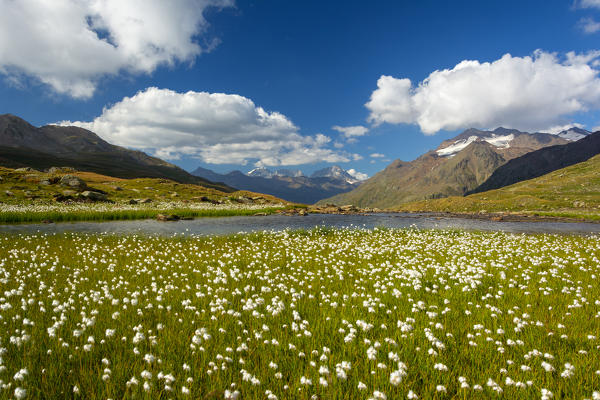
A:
<point x="588" y="3"/>
<point x="531" y="93"/>
<point x="589" y="25"/>
<point x="357" y="175"/>
<point x="72" y="44"/>
<point x="377" y="155"/>
<point x="215" y="127"/>
<point x="351" y="131"/>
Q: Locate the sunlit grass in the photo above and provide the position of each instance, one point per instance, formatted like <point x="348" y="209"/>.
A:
<point x="102" y="212"/>
<point x="328" y="314"/>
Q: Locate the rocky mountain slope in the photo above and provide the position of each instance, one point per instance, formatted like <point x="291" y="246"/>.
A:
<point x="291" y="187"/>
<point x="572" y="192"/>
<point x="541" y="162"/>
<point x="24" y="145"/>
<point x="457" y="166"/>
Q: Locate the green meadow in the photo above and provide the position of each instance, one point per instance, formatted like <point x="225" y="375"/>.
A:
<point x="320" y="314"/>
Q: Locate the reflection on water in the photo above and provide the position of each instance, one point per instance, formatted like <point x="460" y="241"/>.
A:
<point x="228" y="225"/>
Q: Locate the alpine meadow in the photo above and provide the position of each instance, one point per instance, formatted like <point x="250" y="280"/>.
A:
<point x="301" y="199"/>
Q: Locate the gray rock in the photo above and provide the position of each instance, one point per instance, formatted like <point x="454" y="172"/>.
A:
<point x="93" y="196"/>
<point x="45" y="182"/>
<point x="69" y="193"/>
<point x="145" y="201"/>
<point x="9" y="193"/>
<point x="59" y="170"/>
<point x="73" y="182"/>
<point x="133" y="201"/>
<point x="25" y="169"/>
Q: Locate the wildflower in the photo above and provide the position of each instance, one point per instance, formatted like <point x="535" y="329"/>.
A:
<point x="568" y="372"/>
<point x="231" y="395"/>
<point x="20" y="375"/>
<point x="146" y="374"/>
<point x="305" y="381"/>
<point x="546" y="394"/>
<point x="379" y="395"/>
<point x="547" y="366"/>
<point x="20" y="393"/>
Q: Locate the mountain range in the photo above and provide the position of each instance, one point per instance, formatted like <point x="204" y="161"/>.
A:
<point x="456" y="167"/>
<point x="474" y="161"/>
<point x="24" y="145"/>
<point x="286" y="184"/>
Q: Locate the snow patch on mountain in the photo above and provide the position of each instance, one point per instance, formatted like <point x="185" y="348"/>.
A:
<point x="499" y="141"/>
<point x="263" y="172"/>
<point x="337" y="172"/>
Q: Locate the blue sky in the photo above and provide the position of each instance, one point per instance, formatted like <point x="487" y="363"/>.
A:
<point x="298" y="69"/>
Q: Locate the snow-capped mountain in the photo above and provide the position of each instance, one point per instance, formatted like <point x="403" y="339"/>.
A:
<point x="504" y="139"/>
<point x="573" y="134"/>
<point x="291" y="185"/>
<point x="263" y="172"/>
<point x="335" y="172"/>
<point x="499" y="141"/>
<point x="457" y="166"/>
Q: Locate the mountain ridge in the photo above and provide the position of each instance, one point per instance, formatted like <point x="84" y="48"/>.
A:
<point x="541" y="162"/>
<point x="445" y="171"/>
<point x="299" y="189"/>
<point x="24" y="145"/>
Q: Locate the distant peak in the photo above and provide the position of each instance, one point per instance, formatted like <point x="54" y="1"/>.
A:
<point x="267" y="173"/>
<point x="503" y="131"/>
<point x="336" y="172"/>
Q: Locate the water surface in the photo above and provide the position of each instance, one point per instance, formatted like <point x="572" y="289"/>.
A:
<point x="229" y="225"/>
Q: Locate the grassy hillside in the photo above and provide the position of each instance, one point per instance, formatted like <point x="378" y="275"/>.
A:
<point x="28" y="196"/>
<point x="569" y="192"/>
<point x="121" y="164"/>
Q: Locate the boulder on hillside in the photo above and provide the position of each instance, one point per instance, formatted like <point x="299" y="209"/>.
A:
<point x="58" y="170"/>
<point x="93" y="196"/>
<point x="73" y="182"/>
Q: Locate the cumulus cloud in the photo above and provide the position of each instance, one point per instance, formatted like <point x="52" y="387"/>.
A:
<point x="588" y="3"/>
<point x="357" y="175"/>
<point x="533" y="93"/>
<point x="377" y="155"/>
<point x="351" y="131"/>
<point x="71" y="44"/>
<point x="215" y="127"/>
<point x="589" y="25"/>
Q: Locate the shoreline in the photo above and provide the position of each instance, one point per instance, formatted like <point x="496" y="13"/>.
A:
<point x="495" y="217"/>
